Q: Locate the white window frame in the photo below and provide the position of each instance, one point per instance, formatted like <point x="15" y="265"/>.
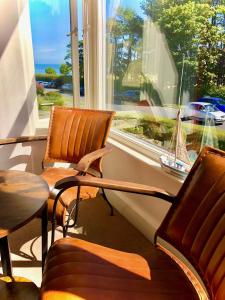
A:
<point x="144" y="148"/>
<point x="75" y="52"/>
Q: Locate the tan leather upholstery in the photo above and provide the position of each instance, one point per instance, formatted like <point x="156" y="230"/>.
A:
<point x="51" y="175"/>
<point x="195" y="224"/>
<point x="73" y="133"/>
<point x="77" y="269"/>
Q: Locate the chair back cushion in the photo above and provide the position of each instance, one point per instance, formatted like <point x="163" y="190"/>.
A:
<point x="75" y="132"/>
<point x="195" y="223"/>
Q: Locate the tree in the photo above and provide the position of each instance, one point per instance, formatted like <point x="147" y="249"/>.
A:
<point x="68" y="58"/>
<point x="50" y="70"/>
<point x="65" y="69"/>
<point x="125" y="35"/>
<point x="195" y="35"/>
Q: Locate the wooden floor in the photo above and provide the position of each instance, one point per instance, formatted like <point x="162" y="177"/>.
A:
<point x="94" y="224"/>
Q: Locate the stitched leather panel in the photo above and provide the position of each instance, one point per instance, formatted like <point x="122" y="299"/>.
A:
<point x="76" y="269"/>
<point x="195" y="224"/>
<point x="51" y="175"/>
<point x="75" y="132"/>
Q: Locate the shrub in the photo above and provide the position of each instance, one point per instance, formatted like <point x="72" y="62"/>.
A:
<point x="46" y="77"/>
<point x="215" y="91"/>
<point x="39" y="89"/>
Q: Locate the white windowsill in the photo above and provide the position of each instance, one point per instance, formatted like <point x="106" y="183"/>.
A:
<point x="140" y="150"/>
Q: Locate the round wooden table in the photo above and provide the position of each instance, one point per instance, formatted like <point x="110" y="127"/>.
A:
<point x="23" y="196"/>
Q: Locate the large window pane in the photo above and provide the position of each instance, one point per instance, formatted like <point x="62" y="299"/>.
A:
<point x="162" y="55"/>
<point x="50" y="24"/>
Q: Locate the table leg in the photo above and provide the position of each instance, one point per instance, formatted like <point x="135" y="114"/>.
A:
<point x="5" y="256"/>
<point x="44" y="224"/>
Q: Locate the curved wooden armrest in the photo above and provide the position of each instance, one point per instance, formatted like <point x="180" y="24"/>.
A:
<point x="114" y="185"/>
<point x="22" y="139"/>
<point x="85" y="162"/>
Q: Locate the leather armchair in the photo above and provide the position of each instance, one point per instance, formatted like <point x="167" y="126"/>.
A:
<point x="187" y="261"/>
<point x="77" y="137"/>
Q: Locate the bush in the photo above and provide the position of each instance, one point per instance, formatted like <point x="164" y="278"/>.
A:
<point x="59" y="80"/>
<point x="39" y="89"/>
<point x="215" y="91"/>
<point x="46" y="77"/>
<point x="160" y="131"/>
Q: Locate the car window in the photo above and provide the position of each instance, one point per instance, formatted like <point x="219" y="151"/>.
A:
<point x="211" y="108"/>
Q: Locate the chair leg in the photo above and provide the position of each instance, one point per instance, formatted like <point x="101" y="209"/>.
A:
<point x="54" y="223"/>
<point x="106" y="199"/>
<point x="75" y="208"/>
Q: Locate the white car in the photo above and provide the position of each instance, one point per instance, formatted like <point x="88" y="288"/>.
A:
<point x="200" y="111"/>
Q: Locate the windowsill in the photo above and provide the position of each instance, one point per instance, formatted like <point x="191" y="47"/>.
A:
<point x="139" y="150"/>
<point x="42" y="126"/>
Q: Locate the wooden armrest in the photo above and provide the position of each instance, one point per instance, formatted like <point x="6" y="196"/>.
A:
<point x="85" y="162"/>
<point x="22" y="139"/>
<point x="114" y="185"/>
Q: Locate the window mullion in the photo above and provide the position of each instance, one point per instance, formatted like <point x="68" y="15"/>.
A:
<point x="75" y="52"/>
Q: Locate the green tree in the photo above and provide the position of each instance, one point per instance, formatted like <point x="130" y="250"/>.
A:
<point x="195" y="35"/>
<point x="50" y="70"/>
<point x="125" y="36"/>
<point x="68" y="58"/>
<point x="65" y="69"/>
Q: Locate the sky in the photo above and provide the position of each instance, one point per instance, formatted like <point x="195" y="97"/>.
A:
<point x="50" y="24"/>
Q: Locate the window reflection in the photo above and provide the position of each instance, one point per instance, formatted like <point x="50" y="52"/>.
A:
<point x="161" y="55"/>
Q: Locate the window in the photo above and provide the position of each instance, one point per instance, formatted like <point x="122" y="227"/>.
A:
<point x="55" y="28"/>
<point x="161" y="55"/>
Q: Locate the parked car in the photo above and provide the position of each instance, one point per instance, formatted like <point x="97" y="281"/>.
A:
<point x="67" y="87"/>
<point x="131" y="95"/>
<point x="218" y="102"/>
<point x="200" y="111"/>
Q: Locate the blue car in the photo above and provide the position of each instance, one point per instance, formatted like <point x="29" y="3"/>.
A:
<point x="218" y="102"/>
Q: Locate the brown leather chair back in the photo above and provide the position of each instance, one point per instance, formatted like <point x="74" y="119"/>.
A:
<point x="75" y="132"/>
<point x="195" y="224"/>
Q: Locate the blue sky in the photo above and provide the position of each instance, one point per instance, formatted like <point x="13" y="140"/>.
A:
<point x="50" y="24"/>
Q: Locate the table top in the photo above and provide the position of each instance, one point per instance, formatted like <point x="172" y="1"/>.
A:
<point x="22" y="197"/>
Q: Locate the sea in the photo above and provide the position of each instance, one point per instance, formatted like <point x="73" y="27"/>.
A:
<point x="40" y="68"/>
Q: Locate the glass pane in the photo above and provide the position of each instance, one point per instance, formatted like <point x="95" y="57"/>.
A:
<point x="50" y="25"/>
<point x="160" y="56"/>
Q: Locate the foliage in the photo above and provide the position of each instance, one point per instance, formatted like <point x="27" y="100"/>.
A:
<point x="65" y="69"/>
<point x="58" y="79"/>
<point x="45" y="102"/>
<point x="215" y="91"/>
<point x="50" y="70"/>
<point x="39" y="89"/>
<point x="195" y="35"/>
<point x="68" y="58"/>
<point x="125" y="37"/>
<point x="46" y="77"/>
<point x="159" y="130"/>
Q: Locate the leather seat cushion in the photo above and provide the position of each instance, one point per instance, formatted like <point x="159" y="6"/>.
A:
<point x="77" y="269"/>
<point x="51" y="175"/>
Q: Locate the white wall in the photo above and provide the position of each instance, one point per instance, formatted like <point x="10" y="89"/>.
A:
<point x="18" y="110"/>
<point x="145" y="212"/>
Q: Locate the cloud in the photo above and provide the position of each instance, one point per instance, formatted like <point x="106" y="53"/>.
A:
<point x="43" y="50"/>
<point x="53" y="4"/>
